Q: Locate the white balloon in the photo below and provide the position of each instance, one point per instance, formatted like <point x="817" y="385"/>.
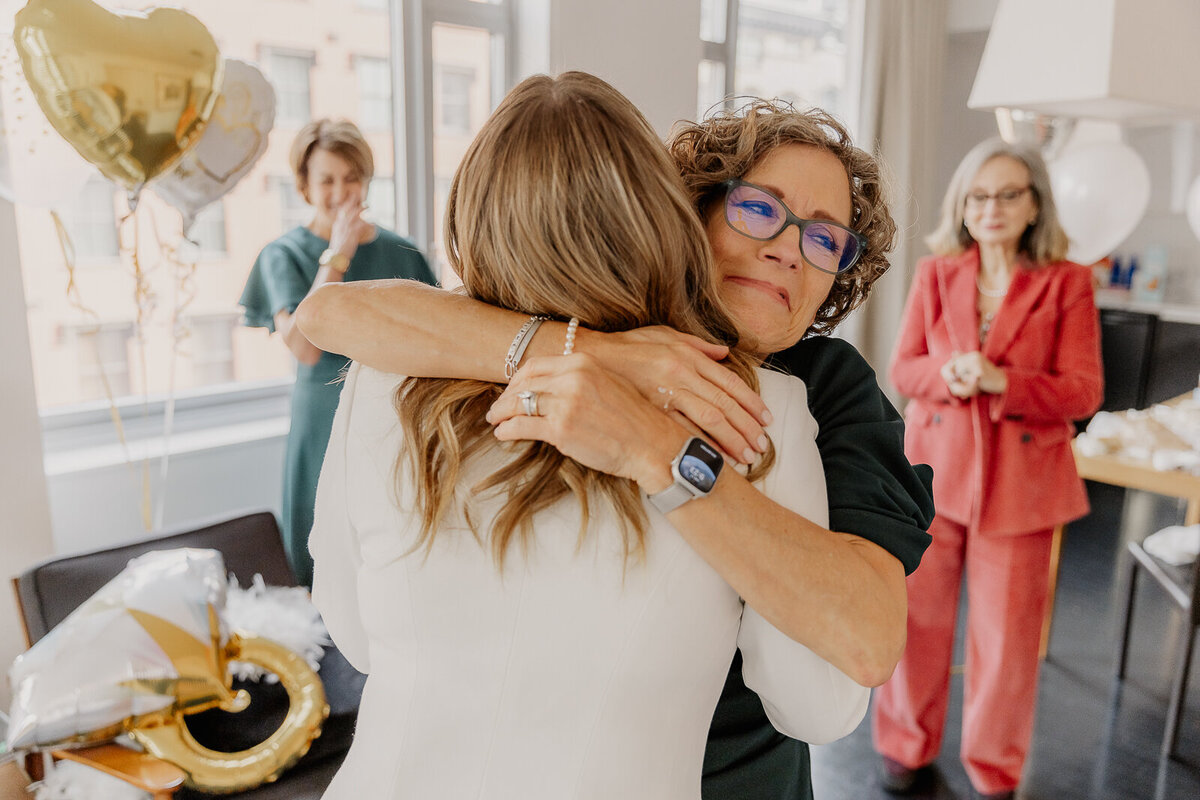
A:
<point x="235" y="138"/>
<point x="1192" y="208"/>
<point x="1102" y="191"/>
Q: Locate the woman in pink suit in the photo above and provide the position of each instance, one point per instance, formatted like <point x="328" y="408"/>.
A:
<point x="999" y="352"/>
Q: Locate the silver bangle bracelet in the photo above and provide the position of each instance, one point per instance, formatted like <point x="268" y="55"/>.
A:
<point x="520" y="342"/>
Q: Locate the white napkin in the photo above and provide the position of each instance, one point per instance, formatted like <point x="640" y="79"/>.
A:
<point x="1175" y="545"/>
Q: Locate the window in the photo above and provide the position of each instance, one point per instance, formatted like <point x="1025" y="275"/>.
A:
<point x="209" y="347"/>
<point x="311" y="75"/>
<point x="374" y="93"/>
<point x="208" y="231"/>
<point x="102" y="355"/>
<point x="293" y="210"/>
<point x="381" y="201"/>
<point x="711" y="86"/>
<point x="791" y="50"/>
<point x="470" y="75"/>
<point x="454" y="97"/>
<point x="289" y="73"/>
<point x="91" y="222"/>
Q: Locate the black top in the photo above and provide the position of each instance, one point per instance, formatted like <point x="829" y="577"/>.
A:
<point x="873" y="493"/>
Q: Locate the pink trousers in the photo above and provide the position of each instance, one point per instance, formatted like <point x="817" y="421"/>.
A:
<point x="1007" y="584"/>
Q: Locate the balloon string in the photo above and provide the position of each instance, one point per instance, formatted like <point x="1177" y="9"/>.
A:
<point x="75" y="299"/>
<point x="183" y="293"/>
<point x="144" y="301"/>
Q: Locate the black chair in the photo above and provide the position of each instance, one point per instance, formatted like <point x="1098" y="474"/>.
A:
<point x="1182" y="584"/>
<point x="250" y="544"/>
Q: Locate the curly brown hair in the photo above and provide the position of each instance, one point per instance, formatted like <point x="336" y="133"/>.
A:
<point x="728" y="144"/>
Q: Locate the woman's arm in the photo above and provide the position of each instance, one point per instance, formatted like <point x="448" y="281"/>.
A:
<point x="349" y="228"/>
<point x="838" y="594"/>
<point x="409" y="328"/>
<point x="285" y="324"/>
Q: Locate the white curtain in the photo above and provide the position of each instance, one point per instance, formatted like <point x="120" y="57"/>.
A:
<point x="904" y="49"/>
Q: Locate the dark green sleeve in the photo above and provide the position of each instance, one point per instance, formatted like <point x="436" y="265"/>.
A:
<point x="873" y="490"/>
<point x="276" y="283"/>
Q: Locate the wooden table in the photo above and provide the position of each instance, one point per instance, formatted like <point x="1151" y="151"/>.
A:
<point x="1130" y="474"/>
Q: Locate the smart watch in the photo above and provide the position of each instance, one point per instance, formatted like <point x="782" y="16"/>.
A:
<point x="695" y="471"/>
<point x="336" y="261"/>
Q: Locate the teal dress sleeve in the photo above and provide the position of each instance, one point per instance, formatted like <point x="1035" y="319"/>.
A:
<point x="278" y="281"/>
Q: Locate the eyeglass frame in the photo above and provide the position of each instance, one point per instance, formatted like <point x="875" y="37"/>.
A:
<point x="792" y="219"/>
<point x="969" y="199"/>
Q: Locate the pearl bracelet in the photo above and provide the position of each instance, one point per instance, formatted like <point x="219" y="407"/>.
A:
<point x="572" y="326"/>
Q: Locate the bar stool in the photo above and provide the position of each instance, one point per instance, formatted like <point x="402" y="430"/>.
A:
<point x="1182" y="585"/>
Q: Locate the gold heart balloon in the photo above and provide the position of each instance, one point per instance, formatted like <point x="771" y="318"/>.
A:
<point x="131" y="91"/>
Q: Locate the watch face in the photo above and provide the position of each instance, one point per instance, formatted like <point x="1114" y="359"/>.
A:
<point x="700" y="465"/>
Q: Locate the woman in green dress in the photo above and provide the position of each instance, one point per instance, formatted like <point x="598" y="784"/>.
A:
<point x="333" y="165"/>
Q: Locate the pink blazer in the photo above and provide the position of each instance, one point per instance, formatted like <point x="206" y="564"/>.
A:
<point x="1001" y="463"/>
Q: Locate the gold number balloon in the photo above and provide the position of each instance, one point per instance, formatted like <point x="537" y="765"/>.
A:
<point x="131" y="91"/>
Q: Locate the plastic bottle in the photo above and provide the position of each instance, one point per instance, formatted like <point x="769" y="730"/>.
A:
<point x="1130" y="271"/>
<point x="1150" y="285"/>
<point x="1118" y="275"/>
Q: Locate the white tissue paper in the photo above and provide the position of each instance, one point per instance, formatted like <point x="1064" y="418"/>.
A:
<point x="1176" y="545"/>
<point x="283" y="614"/>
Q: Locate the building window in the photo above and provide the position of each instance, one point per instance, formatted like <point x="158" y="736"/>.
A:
<point x="795" y="54"/>
<point x="711" y="86"/>
<point x="293" y="211"/>
<point x="208" y="230"/>
<point x="102" y="353"/>
<point x="381" y="201"/>
<point x="454" y="95"/>
<point x="792" y="51"/>
<point x="210" y="346"/>
<point x="91" y="221"/>
<point x="374" y="93"/>
<point x="289" y="73"/>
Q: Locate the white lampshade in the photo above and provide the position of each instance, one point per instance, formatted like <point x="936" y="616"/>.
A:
<point x="1128" y="60"/>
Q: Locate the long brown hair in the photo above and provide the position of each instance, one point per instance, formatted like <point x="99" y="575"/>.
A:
<point x="729" y="144"/>
<point x="566" y="204"/>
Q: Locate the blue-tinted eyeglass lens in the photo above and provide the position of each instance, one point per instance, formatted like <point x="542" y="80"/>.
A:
<point x="829" y="247"/>
<point x="754" y="213"/>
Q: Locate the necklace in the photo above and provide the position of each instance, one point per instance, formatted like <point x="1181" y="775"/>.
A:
<point x="989" y="292"/>
<point x="985" y="325"/>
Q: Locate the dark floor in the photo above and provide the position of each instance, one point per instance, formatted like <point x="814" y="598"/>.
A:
<point x="1090" y="741"/>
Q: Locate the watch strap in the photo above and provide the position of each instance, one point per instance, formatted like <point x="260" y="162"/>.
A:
<point x="334" y="260"/>
<point x="671" y="498"/>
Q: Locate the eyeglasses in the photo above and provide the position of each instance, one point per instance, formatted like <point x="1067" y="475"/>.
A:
<point x="1004" y="197"/>
<point x="756" y="213"/>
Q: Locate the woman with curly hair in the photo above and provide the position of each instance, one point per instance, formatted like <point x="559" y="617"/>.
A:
<point x="796" y="221"/>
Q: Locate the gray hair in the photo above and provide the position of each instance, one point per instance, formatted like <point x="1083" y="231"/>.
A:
<point x="1043" y="242"/>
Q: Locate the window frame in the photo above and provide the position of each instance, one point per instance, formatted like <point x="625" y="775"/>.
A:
<point x="360" y="60"/>
<point x="259" y="409"/>
<point x="726" y="52"/>
<point x="265" y="53"/>
<point x="412" y="25"/>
